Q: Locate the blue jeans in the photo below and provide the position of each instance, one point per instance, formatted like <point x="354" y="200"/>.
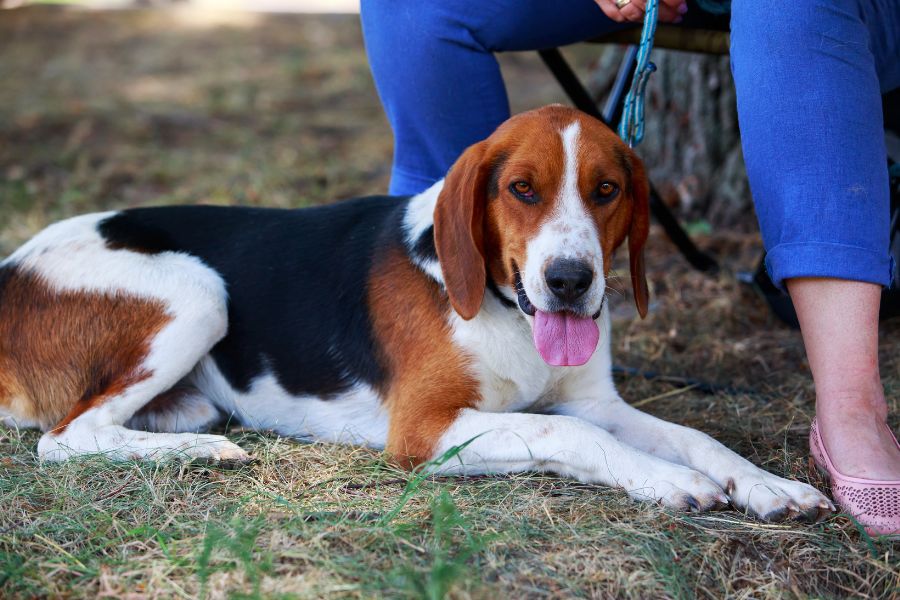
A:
<point x="809" y="77"/>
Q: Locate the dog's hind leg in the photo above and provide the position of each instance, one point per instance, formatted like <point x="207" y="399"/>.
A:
<point x="97" y="422"/>
<point x="90" y="334"/>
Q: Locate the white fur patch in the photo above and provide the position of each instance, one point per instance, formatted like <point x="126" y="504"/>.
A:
<point x="750" y="487"/>
<point x="501" y="443"/>
<point x="191" y="412"/>
<point x="72" y="256"/>
<point x="354" y="417"/>
<point x="418" y="218"/>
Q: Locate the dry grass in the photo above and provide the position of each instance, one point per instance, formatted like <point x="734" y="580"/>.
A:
<point x="108" y="111"/>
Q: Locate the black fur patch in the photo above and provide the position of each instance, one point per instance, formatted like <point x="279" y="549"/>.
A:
<point x="296" y="282"/>
<point x="7" y="272"/>
<point x="424" y="247"/>
<point x="123" y="232"/>
<point x="492" y="286"/>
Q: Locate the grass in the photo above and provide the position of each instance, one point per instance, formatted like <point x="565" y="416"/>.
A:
<point x="104" y="111"/>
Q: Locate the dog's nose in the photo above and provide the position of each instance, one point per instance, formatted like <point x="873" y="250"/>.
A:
<point x="568" y="279"/>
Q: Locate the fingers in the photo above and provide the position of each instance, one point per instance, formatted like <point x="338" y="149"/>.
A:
<point x="670" y="11"/>
<point x="609" y="9"/>
<point x="634" y="11"/>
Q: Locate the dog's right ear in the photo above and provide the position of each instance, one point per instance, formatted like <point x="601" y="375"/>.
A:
<point x="459" y="231"/>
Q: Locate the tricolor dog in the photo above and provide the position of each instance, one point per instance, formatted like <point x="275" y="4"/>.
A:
<point x="471" y="315"/>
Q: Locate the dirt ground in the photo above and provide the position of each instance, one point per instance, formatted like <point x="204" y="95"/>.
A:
<point x="103" y="111"/>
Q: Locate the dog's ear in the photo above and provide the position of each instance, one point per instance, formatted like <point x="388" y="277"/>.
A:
<point x="459" y="231"/>
<point x="637" y="234"/>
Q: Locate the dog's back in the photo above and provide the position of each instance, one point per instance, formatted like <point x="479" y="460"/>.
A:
<point x="296" y="283"/>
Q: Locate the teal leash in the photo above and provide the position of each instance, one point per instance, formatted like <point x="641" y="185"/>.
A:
<point x="631" y="127"/>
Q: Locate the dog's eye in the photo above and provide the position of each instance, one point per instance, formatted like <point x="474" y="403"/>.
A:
<point x="523" y="191"/>
<point x="606" y="191"/>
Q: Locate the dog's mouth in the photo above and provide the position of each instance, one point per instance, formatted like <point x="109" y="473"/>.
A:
<point x="562" y="338"/>
<point x="524" y="303"/>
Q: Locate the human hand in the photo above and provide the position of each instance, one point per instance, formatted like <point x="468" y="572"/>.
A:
<point x="670" y="11"/>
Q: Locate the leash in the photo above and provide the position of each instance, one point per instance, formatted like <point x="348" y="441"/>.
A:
<point x="631" y="127"/>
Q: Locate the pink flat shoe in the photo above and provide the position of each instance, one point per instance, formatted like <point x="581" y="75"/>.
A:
<point x="875" y="504"/>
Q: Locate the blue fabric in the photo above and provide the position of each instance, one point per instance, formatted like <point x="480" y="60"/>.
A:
<point x="437" y="77"/>
<point x="809" y="78"/>
<point x="809" y="75"/>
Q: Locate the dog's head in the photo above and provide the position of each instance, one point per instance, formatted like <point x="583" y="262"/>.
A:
<point x="539" y="207"/>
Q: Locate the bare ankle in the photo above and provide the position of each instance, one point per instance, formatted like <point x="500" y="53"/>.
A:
<point x="861" y="401"/>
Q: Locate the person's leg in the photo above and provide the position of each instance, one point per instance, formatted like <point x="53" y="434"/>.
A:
<point x="437" y="77"/>
<point x="839" y="321"/>
<point x="809" y="76"/>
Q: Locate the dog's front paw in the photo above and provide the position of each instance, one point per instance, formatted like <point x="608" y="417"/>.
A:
<point x="773" y="498"/>
<point x="680" y="488"/>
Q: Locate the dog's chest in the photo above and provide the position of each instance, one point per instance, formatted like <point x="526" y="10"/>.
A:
<point x="511" y="374"/>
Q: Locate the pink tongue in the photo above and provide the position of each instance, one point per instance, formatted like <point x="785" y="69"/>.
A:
<point x="563" y="339"/>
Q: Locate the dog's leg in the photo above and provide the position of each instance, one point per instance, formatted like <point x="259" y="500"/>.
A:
<point x="100" y="428"/>
<point x="750" y="488"/>
<point x="91" y="334"/>
<point x="483" y="442"/>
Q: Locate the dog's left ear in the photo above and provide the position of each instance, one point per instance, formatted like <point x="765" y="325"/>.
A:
<point x="459" y="231"/>
<point x="637" y="234"/>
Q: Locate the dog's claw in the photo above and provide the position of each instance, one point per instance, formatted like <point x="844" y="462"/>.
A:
<point x="825" y="510"/>
<point x="729" y="486"/>
<point x="776" y="515"/>
<point x="810" y="515"/>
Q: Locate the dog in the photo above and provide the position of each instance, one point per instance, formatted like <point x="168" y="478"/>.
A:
<point x="468" y="321"/>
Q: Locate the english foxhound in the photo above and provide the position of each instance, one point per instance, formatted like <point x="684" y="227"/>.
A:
<point x="470" y="316"/>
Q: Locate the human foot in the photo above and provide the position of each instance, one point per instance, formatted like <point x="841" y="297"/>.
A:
<point x="873" y="503"/>
<point x="859" y="443"/>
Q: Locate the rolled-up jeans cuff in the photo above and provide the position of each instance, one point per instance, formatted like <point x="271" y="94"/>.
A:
<point x="825" y="259"/>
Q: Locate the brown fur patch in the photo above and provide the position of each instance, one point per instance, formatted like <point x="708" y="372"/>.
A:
<point x="428" y="377"/>
<point x="459" y="230"/>
<point x="64" y="352"/>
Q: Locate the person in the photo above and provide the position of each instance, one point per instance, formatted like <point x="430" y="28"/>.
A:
<point x="809" y="78"/>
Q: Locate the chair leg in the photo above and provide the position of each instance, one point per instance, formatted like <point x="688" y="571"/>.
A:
<point x="582" y="100"/>
<point x="697" y="258"/>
